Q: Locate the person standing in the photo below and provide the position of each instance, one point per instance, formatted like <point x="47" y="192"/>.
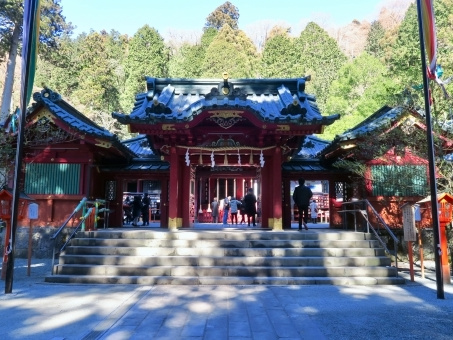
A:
<point x="313" y="211"/>
<point x="145" y="209"/>
<point x="242" y="210"/>
<point x="234" y="208"/>
<point x="250" y="206"/>
<point x="301" y="197"/>
<point x="136" y="210"/>
<point x="215" y="210"/>
<point x="226" y="209"/>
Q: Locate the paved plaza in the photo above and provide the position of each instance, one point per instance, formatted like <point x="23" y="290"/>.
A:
<point x="37" y="310"/>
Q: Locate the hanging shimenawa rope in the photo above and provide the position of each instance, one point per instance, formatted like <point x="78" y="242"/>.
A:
<point x="226" y="148"/>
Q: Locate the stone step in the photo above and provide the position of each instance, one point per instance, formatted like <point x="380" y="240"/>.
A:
<point x="260" y="271"/>
<point x="218" y="257"/>
<point x="96" y="242"/>
<point x="221" y="280"/>
<point x="237" y="235"/>
<point x="217" y="251"/>
<point x="304" y="261"/>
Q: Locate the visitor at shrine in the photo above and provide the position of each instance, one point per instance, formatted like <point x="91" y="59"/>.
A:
<point x="250" y="207"/>
<point x="301" y="196"/>
<point x="226" y="209"/>
<point x="234" y="208"/>
<point x="215" y="210"/>
<point x="313" y="211"/>
<point x="136" y="210"/>
<point x="127" y="209"/>
<point x="242" y="211"/>
<point x="145" y="209"/>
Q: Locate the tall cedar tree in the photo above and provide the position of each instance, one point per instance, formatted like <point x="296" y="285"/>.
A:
<point x="320" y="57"/>
<point x="222" y="15"/>
<point x="231" y="51"/>
<point x="279" y="55"/>
<point x="148" y="56"/>
<point x="187" y="62"/>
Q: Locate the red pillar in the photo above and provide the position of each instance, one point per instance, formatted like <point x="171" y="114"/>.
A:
<point x="173" y="219"/>
<point x="276" y="181"/>
<point x="444" y="258"/>
<point x="186" y="199"/>
<point x="164" y="199"/>
<point x="287" y="204"/>
<point x="266" y="196"/>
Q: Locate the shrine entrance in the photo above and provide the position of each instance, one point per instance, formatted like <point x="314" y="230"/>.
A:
<point x="221" y="182"/>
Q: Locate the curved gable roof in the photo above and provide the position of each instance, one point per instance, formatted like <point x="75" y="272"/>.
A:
<point x="181" y="100"/>
<point x="69" y="116"/>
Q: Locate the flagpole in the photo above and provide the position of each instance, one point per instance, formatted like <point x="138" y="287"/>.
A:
<point x="30" y="8"/>
<point x="431" y="166"/>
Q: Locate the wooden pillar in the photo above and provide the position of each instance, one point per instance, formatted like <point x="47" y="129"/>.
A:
<point x="444" y="248"/>
<point x="116" y="218"/>
<point x="267" y="196"/>
<point x="277" y="189"/>
<point x="186" y="199"/>
<point x="335" y="218"/>
<point x="287" y="201"/>
<point x="174" y="220"/>
<point x="164" y="199"/>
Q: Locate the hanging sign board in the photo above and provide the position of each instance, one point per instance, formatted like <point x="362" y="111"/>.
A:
<point x="409" y="223"/>
<point x="33" y="211"/>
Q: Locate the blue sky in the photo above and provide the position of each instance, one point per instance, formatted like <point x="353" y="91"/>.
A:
<point x="126" y="16"/>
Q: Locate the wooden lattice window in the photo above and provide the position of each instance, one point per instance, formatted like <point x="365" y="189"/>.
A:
<point x="52" y="179"/>
<point x="399" y="180"/>
<point x="110" y="190"/>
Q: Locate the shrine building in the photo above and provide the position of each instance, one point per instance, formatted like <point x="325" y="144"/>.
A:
<point x="200" y="139"/>
<point x="219" y="138"/>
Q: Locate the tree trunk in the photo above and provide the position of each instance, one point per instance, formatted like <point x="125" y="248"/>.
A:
<point x="9" y="75"/>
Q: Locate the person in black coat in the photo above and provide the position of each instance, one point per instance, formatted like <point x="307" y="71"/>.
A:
<point x="301" y="197"/>
<point x="250" y="206"/>
<point x="136" y="209"/>
<point x="145" y="209"/>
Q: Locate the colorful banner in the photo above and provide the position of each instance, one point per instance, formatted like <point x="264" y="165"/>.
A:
<point x="429" y="35"/>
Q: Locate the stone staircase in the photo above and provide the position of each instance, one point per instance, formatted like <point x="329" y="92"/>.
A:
<point x="224" y="257"/>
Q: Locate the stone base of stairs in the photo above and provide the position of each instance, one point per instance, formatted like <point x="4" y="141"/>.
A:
<point x="224" y="257"/>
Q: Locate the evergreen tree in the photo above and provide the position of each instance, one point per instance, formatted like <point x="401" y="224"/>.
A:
<point x="59" y="72"/>
<point x="404" y="62"/>
<point x="374" y="44"/>
<point x="148" y="56"/>
<point x="319" y="56"/>
<point x="230" y="51"/>
<point x="187" y="61"/>
<point x="96" y="89"/>
<point x="279" y="55"/>
<point x="226" y="14"/>
<point x="363" y="87"/>
<point x="52" y="26"/>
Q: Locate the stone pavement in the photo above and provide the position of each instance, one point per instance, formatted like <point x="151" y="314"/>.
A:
<point x="37" y="310"/>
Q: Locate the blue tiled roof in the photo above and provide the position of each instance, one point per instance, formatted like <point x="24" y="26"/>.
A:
<point x="273" y="100"/>
<point x="76" y="120"/>
<point x="381" y="118"/>
<point x="141" y="164"/>
<point x="139" y="146"/>
<point x="303" y="166"/>
<point x="312" y="147"/>
<point x="449" y="157"/>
